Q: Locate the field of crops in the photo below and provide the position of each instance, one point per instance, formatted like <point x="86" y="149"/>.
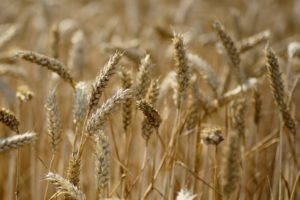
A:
<point x="149" y="99"/>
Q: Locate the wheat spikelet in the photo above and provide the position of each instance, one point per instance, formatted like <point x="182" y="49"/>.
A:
<point x="76" y="54"/>
<point x="278" y="89"/>
<point x="9" y="119"/>
<point x="253" y="41"/>
<point x="97" y="119"/>
<point x="17" y="141"/>
<point x="102" y="79"/>
<point x="182" y="74"/>
<point x="9" y="34"/>
<point x="102" y="161"/>
<point x="185" y="194"/>
<point x="55" y="39"/>
<point x="231" y="49"/>
<point x="127" y="105"/>
<point x="257" y="104"/>
<point x="47" y="62"/>
<point x="230" y="165"/>
<point x="24" y="93"/>
<point x="73" y="171"/>
<point x="144" y="77"/>
<point x="207" y="71"/>
<point x="54" y="121"/>
<point x="152" y="117"/>
<point x="82" y="91"/>
<point x="65" y="187"/>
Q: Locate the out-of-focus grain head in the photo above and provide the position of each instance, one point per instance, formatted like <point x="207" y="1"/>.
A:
<point x="212" y="136"/>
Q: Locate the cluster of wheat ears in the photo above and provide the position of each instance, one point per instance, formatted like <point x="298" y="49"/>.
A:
<point x="158" y="111"/>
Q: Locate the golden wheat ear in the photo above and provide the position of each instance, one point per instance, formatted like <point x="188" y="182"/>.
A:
<point x="64" y="187"/>
<point x="9" y="119"/>
<point x="17" y="141"/>
<point x="277" y="87"/>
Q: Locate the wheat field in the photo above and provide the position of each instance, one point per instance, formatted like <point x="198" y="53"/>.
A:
<point x="150" y="99"/>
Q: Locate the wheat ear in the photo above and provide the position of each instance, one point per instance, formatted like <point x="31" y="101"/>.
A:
<point x="65" y="187"/>
<point x="102" y="80"/>
<point x="47" y="62"/>
<point x="278" y="90"/>
<point x="9" y="119"/>
<point x="17" y="141"/>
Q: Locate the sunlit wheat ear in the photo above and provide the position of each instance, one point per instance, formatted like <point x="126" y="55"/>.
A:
<point x="152" y="118"/>
<point x="231" y="49"/>
<point x="253" y="41"/>
<point x="144" y="77"/>
<point x="151" y="99"/>
<point x="153" y="92"/>
<point x="17" y="141"/>
<point x="55" y="40"/>
<point x="24" y="93"/>
<point x="64" y="187"/>
<point x="206" y="71"/>
<point x="9" y="34"/>
<point x="73" y="170"/>
<point x="230" y="173"/>
<point x="9" y="119"/>
<point x="102" y="161"/>
<point x="278" y="90"/>
<point x="97" y="119"/>
<point x="127" y="105"/>
<point x="102" y="80"/>
<point x="257" y="105"/>
<point x="76" y="58"/>
<point x="47" y="62"/>
<point x="185" y="194"/>
<point x="182" y="69"/>
<point x="53" y="120"/>
<point x="82" y="91"/>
